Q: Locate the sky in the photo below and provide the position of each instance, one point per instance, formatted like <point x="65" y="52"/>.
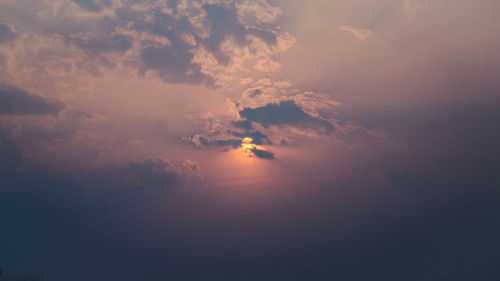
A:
<point x="341" y="140"/>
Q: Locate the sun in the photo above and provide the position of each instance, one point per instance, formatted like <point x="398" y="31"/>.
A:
<point x="247" y="146"/>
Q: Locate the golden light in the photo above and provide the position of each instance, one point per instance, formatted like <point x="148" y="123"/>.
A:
<point x="247" y="146"/>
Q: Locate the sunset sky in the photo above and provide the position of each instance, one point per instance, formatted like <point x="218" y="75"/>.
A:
<point x="339" y="140"/>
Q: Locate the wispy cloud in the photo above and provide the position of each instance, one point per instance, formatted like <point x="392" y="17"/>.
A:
<point x="359" y="33"/>
<point x="411" y="8"/>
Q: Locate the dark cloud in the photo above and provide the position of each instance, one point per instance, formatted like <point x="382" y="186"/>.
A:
<point x="177" y="59"/>
<point x="6" y="33"/>
<point x="257" y="136"/>
<point x="263" y="153"/>
<point x="173" y="61"/>
<point x="173" y="4"/>
<point x="285" y="113"/>
<point x="93" y="5"/>
<point x="173" y="65"/>
<point x="228" y="142"/>
<point x="15" y="101"/>
<point x="223" y="21"/>
<point x="255" y="93"/>
<point x="217" y="140"/>
<point x="147" y="173"/>
<point x="96" y="46"/>
<point x="203" y="140"/>
<point x="242" y="124"/>
<point x="154" y="172"/>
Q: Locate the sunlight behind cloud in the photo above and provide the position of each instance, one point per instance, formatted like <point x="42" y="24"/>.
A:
<point x="247" y="146"/>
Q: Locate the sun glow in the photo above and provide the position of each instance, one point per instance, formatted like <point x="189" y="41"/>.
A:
<point x="247" y="146"/>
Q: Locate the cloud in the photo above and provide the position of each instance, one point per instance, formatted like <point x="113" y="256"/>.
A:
<point x="263" y="153"/>
<point x="257" y="136"/>
<point x="224" y="20"/>
<point x="226" y="142"/>
<point x="190" y="43"/>
<point x="153" y="172"/>
<point x="94" y="46"/>
<point x="228" y="138"/>
<point x="257" y="11"/>
<point x="266" y="91"/>
<point x="270" y="119"/>
<point x="359" y="33"/>
<point x="267" y="65"/>
<point x="172" y="65"/>
<point x="242" y="124"/>
<point x="7" y="33"/>
<point x="411" y="8"/>
<point x="202" y="39"/>
<point x="423" y="92"/>
<point x="93" y="5"/>
<point x="245" y="81"/>
<point x="286" y="113"/>
<point x="87" y="148"/>
<point x="16" y="101"/>
<point x="158" y="172"/>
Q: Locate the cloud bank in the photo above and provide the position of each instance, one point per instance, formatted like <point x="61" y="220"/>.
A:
<point x="15" y="101"/>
